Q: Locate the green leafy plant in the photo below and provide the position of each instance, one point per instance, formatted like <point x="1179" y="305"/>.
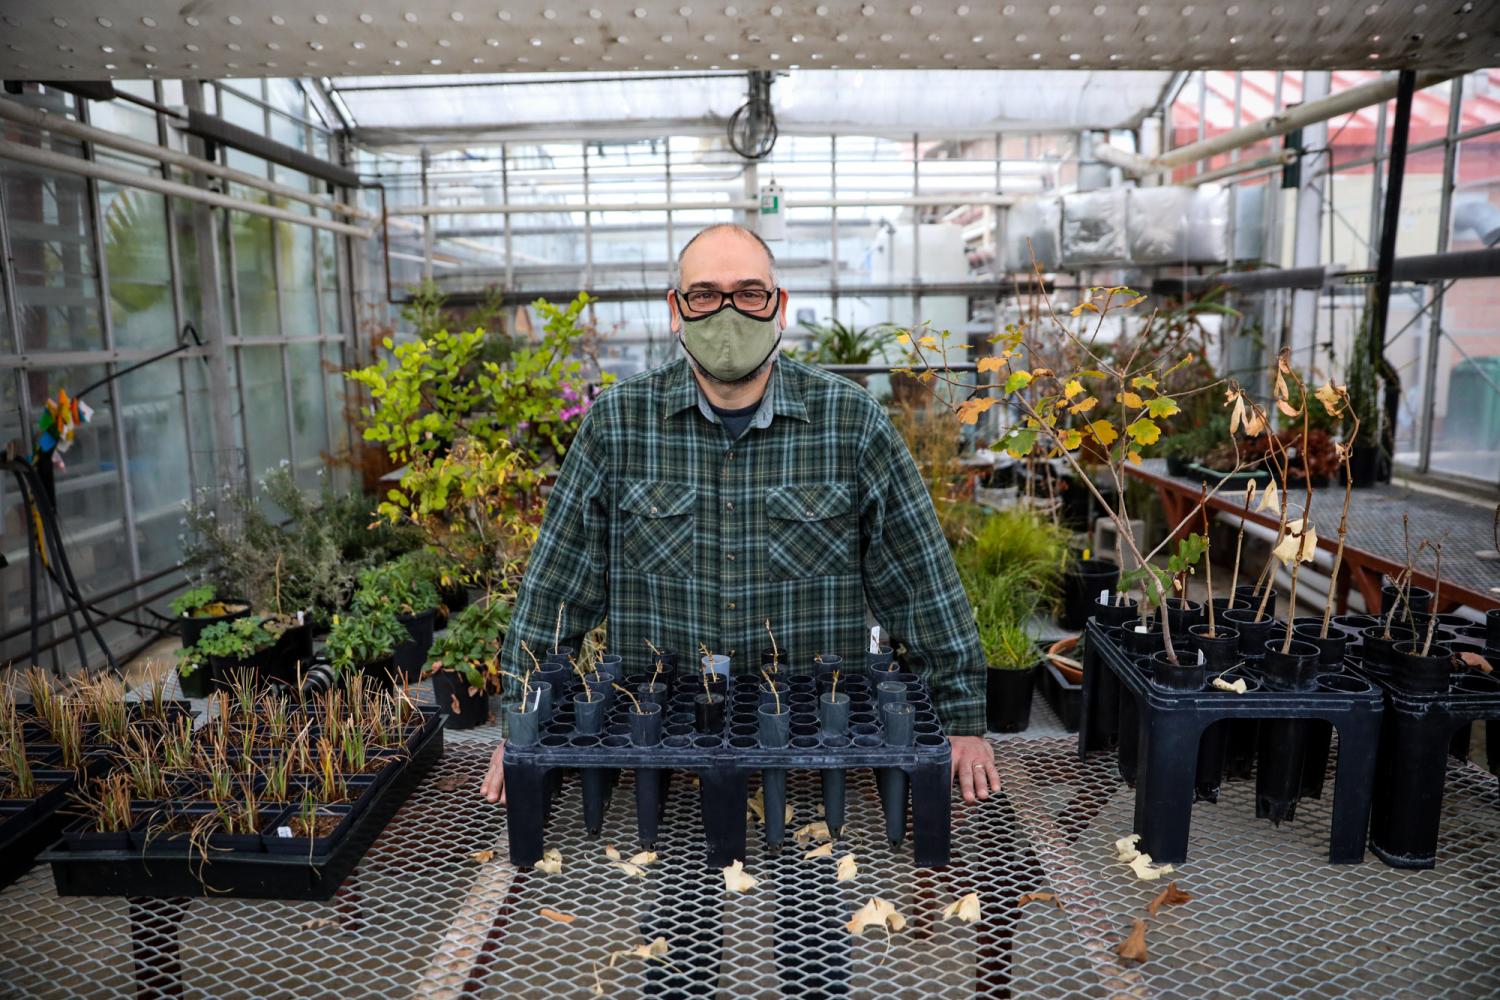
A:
<point x="471" y="645"/>
<point x="235" y="640"/>
<point x="364" y="636"/>
<point x="202" y="601"/>
<point x="838" y="343"/>
<point x="401" y="584"/>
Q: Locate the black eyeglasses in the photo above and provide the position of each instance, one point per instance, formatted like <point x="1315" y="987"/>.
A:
<point x="711" y="300"/>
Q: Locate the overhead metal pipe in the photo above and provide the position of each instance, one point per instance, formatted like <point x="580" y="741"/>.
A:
<point x="736" y="204"/>
<point x="1299" y="116"/>
<point x="60" y="125"/>
<point x="1428" y="267"/>
<point x="49" y="160"/>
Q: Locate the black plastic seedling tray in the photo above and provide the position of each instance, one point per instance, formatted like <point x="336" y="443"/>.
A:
<point x="243" y="875"/>
<point x="23" y="837"/>
<point x="724" y="759"/>
<point x="1161" y="729"/>
<point x="1065" y="697"/>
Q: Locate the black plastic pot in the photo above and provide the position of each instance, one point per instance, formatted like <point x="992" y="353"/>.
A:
<point x="451" y="600"/>
<point x="1330" y="647"/>
<point x="708" y="714"/>
<point x="1377" y="651"/>
<point x="774" y="733"/>
<point x="1253" y="634"/>
<point x="1283" y="742"/>
<point x="1223" y="604"/>
<point x="1364" y="465"/>
<point x="898" y="719"/>
<point x="1417" y="674"/>
<point x="1082" y="584"/>
<point x="192" y="628"/>
<point x="645" y="731"/>
<point x="560" y="655"/>
<point x="1183" y="614"/>
<point x="523" y="726"/>
<point x="411" y="655"/>
<point x="1008" y="698"/>
<point x="1293" y="670"/>
<point x="383" y="673"/>
<point x="1141" y="640"/>
<point x="1353" y="624"/>
<point x="1221" y="651"/>
<point x="197" y="683"/>
<point x="451" y="694"/>
<point x="1104" y="718"/>
<point x="879" y="662"/>
<point x="1184" y="675"/>
<point x="1418" y="601"/>
<point x="1246" y="592"/>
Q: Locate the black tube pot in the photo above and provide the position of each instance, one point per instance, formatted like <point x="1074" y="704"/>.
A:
<point x="1418" y="674"/>
<point x="1330" y="647"/>
<point x="464" y="710"/>
<point x="645" y="725"/>
<point x="1283" y="742"/>
<point x="1183" y="614"/>
<point x="197" y="682"/>
<point x="1105" y="701"/>
<point x="897" y="719"/>
<point x="1221" y="652"/>
<point x="412" y="654"/>
<point x="1007" y="698"/>
<point x="523" y="725"/>
<point x="708" y="714"/>
<point x="775" y="732"/>
<point x="1377" y="650"/>
<point x="1253" y="634"/>
<point x="1353" y="624"/>
<point x="562" y="654"/>
<point x="1082" y="583"/>
<point x="881" y="662"/>
<point x="1246" y="592"/>
<point x="1141" y="640"/>
<point x="1184" y="675"/>
<point x="1223" y="604"/>
<point x="1418" y="600"/>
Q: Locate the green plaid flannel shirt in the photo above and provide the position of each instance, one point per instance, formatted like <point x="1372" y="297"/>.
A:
<point x="683" y="537"/>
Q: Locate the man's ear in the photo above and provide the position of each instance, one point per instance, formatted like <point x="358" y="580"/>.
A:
<point x="785" y="298"/>
<point x="674" y="321"/>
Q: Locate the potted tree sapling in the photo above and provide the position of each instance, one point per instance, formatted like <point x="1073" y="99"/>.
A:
<point x="365" y="641"/>
<point x="459" y="661"/>
<point x="403" y="586"/>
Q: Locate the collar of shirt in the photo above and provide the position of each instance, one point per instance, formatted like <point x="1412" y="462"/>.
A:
<point x="783" y="396"/>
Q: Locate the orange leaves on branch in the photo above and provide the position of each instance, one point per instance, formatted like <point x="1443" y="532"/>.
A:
<point x="970" y="409"/>
<point x="1084" y="405"/>
<point x="1072" y="388"/>
<point x="1170" y="896"/>
<point x="1133" y="948"/>
<point x="1083" y="307"/>
<point x="993" y="363"/>
<point x="1104" y="432"/>
<point x="1132" y="400"/>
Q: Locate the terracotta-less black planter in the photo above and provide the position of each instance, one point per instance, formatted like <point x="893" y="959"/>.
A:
<point x="897" y="719"/>
<point x="1246" y="592"/>
<point x="774" y="732"/>
<point x="833" y="720"/>
<point x="645" y="731"/>
<point x="1377" y="649"/>
<point x="450" y="692"/>
<point x="192" y="627"/>
<point x="1330" y="647"/>
<point x="1182" y="614"/>
<point x="1283" y="742"/>
<point x="708" y="714"/>
<point x="523" y="726"/>
<point x="1253" y="633"/>
<point x="197" y="682"/>
<point x="1418" y="601"/>
<point x="1418" y="674"/>
<point x="1184" y="675"/>
<point x="1082" y="583"/>
<point x="1008" y="698"/>
<point x="1104" y="714"/>
<point x="588" y="715"/>
<point x="411" y="655"/>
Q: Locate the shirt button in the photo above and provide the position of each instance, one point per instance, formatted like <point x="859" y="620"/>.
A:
<point x="807" y="513"/>
<point x="653" y="510"/>
<point x="729" y="505"/>
<point x="730" y="456"/>
<point x="731" y="605"/>
<point x="729" y="556"/>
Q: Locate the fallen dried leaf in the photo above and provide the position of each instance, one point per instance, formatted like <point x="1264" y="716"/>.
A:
<point x="551" y="862"/>
<point x="1238" y="687"/>
<point x="1146" y="871"/>
<point x="630" y="869"/>
<point x="643" y="858"/>
<point x="847" y="868"/>
<point x="790" y="812"/>
<point x="1133" y="948"/>
<point x="1125" y="848"/>
<point x="318" y="923"/>
<point x="736" y="879"/>
<point x="826" y="851"/>
<point x="876" y="913"/>
<point x="656" y="949"/>
<point x="562" y="918"/>
<point x="1039" y="897"/>
<point x="812" y="831"/>
<point x="1170" y="896"/>
<point x="965" y="908"/>
<point x="757" y="806"/>
<point x="1472" y="659"/>
<point x="482" y="857"/>
<point x="449" y="783"/>
<point x="611" y="853"/>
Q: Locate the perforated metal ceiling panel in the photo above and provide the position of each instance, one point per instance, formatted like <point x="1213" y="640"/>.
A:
<point x="92" y="39"/>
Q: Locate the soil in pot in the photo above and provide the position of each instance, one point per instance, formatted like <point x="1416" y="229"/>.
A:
<point x="1008" y="698"/>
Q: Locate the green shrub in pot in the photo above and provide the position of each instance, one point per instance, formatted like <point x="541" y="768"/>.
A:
<point x="363" y="637"/>
<point x="401" y="584"/>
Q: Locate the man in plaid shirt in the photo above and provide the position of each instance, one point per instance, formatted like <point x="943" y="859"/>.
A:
<point x="735" y="486"/>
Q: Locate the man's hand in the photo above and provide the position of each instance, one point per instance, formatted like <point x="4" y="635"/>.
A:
<point x="493" y="788"/>
<point x="973" y="766"/>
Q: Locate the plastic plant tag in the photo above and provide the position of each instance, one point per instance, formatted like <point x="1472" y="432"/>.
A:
<point x="284" y="831"/>
<point x="1141" y="629"/>
<point x="875" y="639"/>
<point x="1201" y="660"/>
<point x="1104" y="596"/>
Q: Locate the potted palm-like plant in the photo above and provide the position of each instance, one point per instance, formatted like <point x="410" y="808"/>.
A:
<point x="403" y="587"/>
<point x="366" y="640"/>
<point x="463" y="662"/>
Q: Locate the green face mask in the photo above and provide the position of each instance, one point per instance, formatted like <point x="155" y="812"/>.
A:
<point x="728" y="344"/>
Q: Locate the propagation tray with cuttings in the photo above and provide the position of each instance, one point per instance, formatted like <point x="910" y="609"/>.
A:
<point x="247" y="871"/>
<point x="721" y="729"/>
<point x="1174" y="731"/>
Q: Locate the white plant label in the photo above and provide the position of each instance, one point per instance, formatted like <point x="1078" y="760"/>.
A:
<point x="284" y="831"/>
<point x="1201" y="660"/>
<point x="1141" y="629"/>
<point x="875" y="639"/>
<point x="1104" y="596"/>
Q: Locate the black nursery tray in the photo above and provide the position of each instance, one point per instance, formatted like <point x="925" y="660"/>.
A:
<point x="243" y="875"/>
<point x="23" y="836"/>
<point x="723" y="762"/>
<point x="1065" y="697"/>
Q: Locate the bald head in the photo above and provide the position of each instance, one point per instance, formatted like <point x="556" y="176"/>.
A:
<point x="725" y="249"/>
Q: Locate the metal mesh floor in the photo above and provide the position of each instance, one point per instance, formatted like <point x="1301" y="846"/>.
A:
<point x="424" y="916"/>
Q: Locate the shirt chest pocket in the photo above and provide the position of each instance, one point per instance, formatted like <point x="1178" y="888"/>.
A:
<point x="810" y="530"/>
<point x="657" y="530"/>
